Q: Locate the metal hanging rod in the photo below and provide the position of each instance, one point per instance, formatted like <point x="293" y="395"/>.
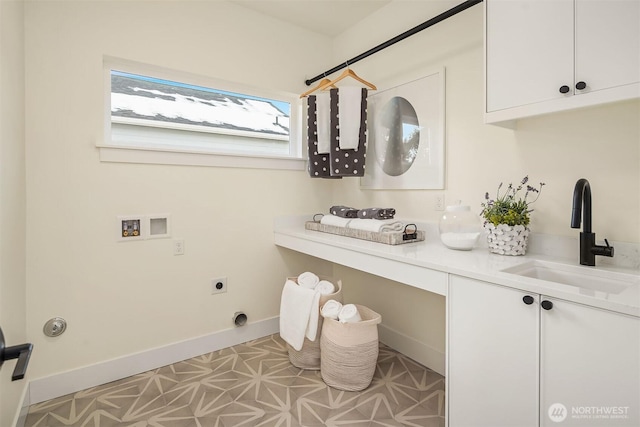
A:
<point x="444" y="15"/>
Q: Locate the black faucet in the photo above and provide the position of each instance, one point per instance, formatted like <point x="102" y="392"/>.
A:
<point x="588" y="247"/>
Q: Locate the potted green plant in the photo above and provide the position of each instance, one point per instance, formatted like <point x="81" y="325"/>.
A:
<point x="507" y="217"/>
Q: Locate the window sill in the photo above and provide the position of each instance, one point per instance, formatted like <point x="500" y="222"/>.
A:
<point x="115" y="154"/>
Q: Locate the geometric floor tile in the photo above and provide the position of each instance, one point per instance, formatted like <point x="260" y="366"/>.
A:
<point x="253" y="385"/>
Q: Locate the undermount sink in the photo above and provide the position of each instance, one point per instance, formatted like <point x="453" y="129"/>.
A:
<point x="590" y="278"/>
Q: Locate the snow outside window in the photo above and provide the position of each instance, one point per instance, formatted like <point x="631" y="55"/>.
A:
<point x="151" y="113"/>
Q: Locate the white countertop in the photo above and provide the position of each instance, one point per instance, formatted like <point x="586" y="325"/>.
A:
<point x="425" y="265"/>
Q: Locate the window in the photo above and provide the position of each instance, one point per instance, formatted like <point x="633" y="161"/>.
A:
<point x="152" y="112"/>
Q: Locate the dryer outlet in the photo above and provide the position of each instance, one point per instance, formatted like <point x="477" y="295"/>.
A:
<point x="218" y="285"/>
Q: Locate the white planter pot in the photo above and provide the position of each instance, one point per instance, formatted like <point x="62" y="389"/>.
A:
<point x="506" y="239"/>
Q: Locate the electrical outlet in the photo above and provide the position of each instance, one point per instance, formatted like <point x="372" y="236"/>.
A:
<point x="218" y="285"/>
<point x="178" y="247"/>
<point x="439" y="204"/>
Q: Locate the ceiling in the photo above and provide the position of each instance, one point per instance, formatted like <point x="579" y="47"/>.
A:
<point x="328" y="17"/>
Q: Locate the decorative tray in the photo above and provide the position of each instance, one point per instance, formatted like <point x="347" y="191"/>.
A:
<point x="409" y="235"/>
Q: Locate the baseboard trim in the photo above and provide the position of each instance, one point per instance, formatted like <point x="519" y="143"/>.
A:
<point x="72" y="381"/>
<point x="430" y="357"/>
<point x="56" y="385"/>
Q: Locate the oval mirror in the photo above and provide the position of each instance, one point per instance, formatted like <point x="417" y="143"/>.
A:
<point x="397" y="136"/>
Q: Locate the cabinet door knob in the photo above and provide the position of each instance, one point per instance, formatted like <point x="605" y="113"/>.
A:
<point x="547" y="305"/>
<point x="527" y="299"/>
<point x="581" y="85"/>
<point x="564" y="89"/>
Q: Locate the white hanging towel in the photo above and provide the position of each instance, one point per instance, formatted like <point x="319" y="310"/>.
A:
<point x="314" y="317"/>
<point x="349" y="110"/>
<point x="298" y="309"/>
<point x="323" y="114"/>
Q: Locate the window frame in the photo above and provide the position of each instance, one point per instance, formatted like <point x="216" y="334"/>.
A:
<point x="132" y="152"/>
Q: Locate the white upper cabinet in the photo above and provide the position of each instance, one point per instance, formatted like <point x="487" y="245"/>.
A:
<point x="529" y="50"/>
<point x="607" y="49"/>
<point x="547" y="56"/>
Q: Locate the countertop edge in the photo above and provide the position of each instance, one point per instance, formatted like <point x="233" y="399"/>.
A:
<point x="430" y="254"/>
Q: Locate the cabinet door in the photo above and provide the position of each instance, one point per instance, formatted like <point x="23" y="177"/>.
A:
<point x="607" y="43"/>
<point x="590" y="367"/>
<point x="529" y="51"/>
<point x="492" y="356"/>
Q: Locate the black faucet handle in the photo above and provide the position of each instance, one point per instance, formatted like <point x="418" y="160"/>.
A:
<point x="603" y="250"/>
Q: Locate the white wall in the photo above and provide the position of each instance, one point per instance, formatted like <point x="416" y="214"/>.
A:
<point x="12" y="199"/>
<point x="601" y="144"/>
<point x="121" y="298"/>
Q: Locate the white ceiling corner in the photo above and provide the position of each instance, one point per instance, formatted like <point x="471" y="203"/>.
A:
<point x="328" y="17"/>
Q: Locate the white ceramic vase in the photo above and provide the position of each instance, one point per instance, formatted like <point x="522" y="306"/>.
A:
<point x="506" y="239"/>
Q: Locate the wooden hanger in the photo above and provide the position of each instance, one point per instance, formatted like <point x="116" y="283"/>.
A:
<point x="348" y="73"/>
<point x="323" y="82"/>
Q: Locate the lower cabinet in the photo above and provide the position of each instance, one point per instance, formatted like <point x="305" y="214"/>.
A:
<point x="589" y="367"/>
<point x="493" y="356"/>
<point x="517" y="359"/>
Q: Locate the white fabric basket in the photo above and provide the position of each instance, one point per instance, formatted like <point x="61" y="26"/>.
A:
<point x="350" y="351"/>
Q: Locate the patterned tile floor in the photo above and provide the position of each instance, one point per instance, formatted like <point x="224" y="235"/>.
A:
<point x="254" y="385"/>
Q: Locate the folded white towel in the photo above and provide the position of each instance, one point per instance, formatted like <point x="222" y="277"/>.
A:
<point x="376" y="225"/>
<point x="308" y="280"/>
<point x="335" y="220"/>
<point x="325" y="287"/>
<point x="331" y="309"/>
<point x="350" y="111"/>
<point x="323" y="115"/>
<point x="296" y="310"/>
<point x="349" y="314"/>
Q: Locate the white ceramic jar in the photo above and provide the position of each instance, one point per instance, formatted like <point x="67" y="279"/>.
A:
<point x="459" y="228"/>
